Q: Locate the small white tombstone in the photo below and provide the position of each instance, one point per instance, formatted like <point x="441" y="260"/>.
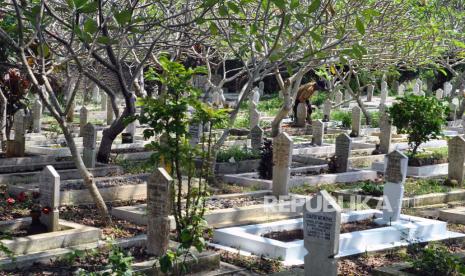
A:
<point x="89" y="141"/>
<point x="370" y="89"/>
<point x="256" y="137"/>
<point x="50" y="198"/>
<point x="401" y="90"/>
<point x="447" y="89"/>
<point x="439" y="94"/>
<point x="83" y="118"/>
<point x="327" y="110"/>
<point x="343" y="148"/>
<point x="96" y="94"/>
<point x="386" y="133"/>
<point x="301" y="115"/>
<point x="395" y="173"/>
<point x="322" y="227"/>
<point x="254" y="117"/>
<point x="158" y="212"/>
<point x="384" y="92"/>
<point x="317" y="132"/>
<point x="356" y="121"/>
<point x="416" y="89"/>
<point x="19" y="125"/>
<point x="456" y="150"/>
<point x="37" y="116"/>
<point x="282" y="159"/>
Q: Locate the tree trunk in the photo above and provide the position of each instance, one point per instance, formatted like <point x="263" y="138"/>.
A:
<point x="109" y="134"/>
<point x="3" y="103"/>
<point x="283" y="112"/>
<point x="88" y="178"/>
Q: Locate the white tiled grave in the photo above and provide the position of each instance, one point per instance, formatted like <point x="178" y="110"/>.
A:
<point x="409" y="229"/>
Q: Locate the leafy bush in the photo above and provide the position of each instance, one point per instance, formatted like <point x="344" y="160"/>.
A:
<point x="373" y="189"/>
<point x="265" y="167"/>
<point x="344" y="117"/>
<point x="319" y="99"/>
<point x="238" y="153"/>
<point x="428" y="157"/>
<point x="419" y="117"/>
<point x="437" y="260"/>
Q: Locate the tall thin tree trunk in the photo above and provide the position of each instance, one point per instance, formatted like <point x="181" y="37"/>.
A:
<point x="88" y="178"/>
<point x="3" y="138"/>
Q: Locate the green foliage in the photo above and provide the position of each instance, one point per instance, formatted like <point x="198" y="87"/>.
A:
<point x="436" y="259"/>
<point x="371" y="188"/>
<point x="319" y="99"/>
<point x="344" y="117"/>
<point x="428" y="156"/>
<point x="168" y="116"/>
<point x="420" y="117"/>
<point x="238" y="153"/>
<point x="416" y="187"/>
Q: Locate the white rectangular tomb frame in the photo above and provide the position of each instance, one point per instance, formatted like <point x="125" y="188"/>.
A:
<point x="410" y="229"/>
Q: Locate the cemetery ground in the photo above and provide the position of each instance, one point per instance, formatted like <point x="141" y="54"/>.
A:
<point x="314" y="158"/>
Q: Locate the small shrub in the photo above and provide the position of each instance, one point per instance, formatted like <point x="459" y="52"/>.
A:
<point x="373" y="189"/>
<point x="437" y="260"/>
<point x="344" y="117"/>
<point x="238" y="153"/>
<point x="419" y="117"/>
<point x="319" y="99"/>
<point x="265" y="167"/>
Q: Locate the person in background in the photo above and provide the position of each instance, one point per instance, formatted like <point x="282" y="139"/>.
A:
<point x="304" y="94"/>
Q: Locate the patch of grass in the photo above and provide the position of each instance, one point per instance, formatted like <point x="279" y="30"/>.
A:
<point x="242" y="122"/>
<point x="415" y="187"/>
<point x="134" y="167"/>
<point x="238" y="153"/>
<point x="429" y="156"/>
<point x="311" y="189"/>
<point x="343" y="116"/>
<point x="259" y="265"/>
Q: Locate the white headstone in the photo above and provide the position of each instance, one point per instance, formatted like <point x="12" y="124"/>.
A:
<point x="318" y="128"/>
<point x="384" y="92"/>
<point x="20" y="130"/>
<point x="370" y="89"/>
<point x="96" y="94"/>
<point x="322" y="227"/>
<point x="282" y="159"/>
<point x="416" y="89"/>
<point x="256" y="137"/>
<point x="439" y="94"/>
<point x="447" y="89"/>
<point x="456" y="149"/>
<point x="301" y="115"/>
<point x="401" y="90"/>
<point x="89" y="141"/>
<point x="385" y="133"/>
<point x="37" y="116"/>
<point x="356" y="121"/>
<point x="50" y="198"/>
<point x="395" y="173"/>
<point x="254" y="117"/>
<point x="83" y="118"/>
<point x="158" y="212"/>
<point x="343" y="148"/>
<point x="327" y="110"/>
<point x="452" y="112"/>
